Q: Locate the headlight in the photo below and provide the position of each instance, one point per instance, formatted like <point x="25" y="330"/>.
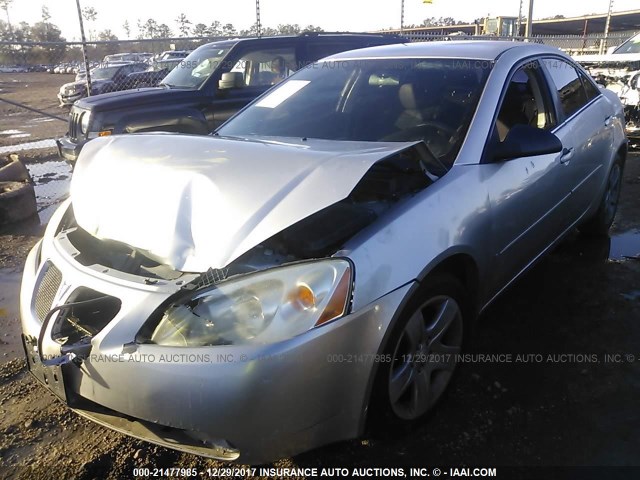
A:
<point x="260" y="308"/>
<point x="84" y="122"/>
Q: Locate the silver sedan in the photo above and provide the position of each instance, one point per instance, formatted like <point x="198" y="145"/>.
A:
<point x="319" y="261"/>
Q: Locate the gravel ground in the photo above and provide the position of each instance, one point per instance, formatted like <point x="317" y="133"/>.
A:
<point x="538" y="411"/>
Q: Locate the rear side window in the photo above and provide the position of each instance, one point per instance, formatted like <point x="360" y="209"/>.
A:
<point x="591" y="90"/>
<point x="567" y="83"/>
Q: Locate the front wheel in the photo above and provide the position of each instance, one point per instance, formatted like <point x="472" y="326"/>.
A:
<point x="424" y="349"/>
<point x="600" y="223"/>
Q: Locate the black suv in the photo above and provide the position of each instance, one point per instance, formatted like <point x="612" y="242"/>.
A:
<point x="107" y="77"/>
<point x="206" y="88"/>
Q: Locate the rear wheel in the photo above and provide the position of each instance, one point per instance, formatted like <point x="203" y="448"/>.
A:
<point x="424" y="350"/>
<point x="600" y="223"/>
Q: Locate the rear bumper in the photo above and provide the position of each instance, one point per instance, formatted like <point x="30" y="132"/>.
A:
<point x="69" y="150"/>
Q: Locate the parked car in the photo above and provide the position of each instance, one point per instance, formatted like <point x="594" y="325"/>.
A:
<point x="210" y="85"/>
<point x="619" y="71"/>
<point x="127" y="57"/>
<point x="105" y="78"/>
<point x="219" y="272"/>
<point x="171" y="54"/>
<point x="154" y="74"/>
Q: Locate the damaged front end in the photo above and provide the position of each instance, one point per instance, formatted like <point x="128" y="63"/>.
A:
<point x="101" y="313"/>
<point x="622" y="76"/>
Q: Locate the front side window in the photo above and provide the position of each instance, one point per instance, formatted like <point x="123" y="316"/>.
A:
<point x="195" y="69"/>
<point x="568" y="85"/>
<point x="525" y="102"/>
<point x="265" y="67"/>
<point x="376" y="100"/>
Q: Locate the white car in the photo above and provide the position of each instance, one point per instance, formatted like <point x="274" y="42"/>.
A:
<point x="619" y="71"/>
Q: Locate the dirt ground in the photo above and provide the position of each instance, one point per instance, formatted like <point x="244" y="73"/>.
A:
<point x="582" y="301"/>
<point x="35" y="90"/>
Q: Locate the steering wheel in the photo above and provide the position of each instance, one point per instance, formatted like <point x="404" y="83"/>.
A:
<point x="442" y="130"/>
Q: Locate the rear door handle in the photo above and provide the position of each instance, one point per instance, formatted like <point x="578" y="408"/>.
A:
<point x="567" y="154"/>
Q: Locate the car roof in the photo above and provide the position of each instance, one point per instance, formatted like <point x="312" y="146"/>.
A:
<point x="327" y="35"/>
<point x="463" y="49"/>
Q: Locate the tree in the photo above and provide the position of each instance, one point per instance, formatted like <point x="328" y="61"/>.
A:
<point x="127" y="28"/>
<point x="47" y="32"/>
<point x="90" y="14"/>
<point x="311" y="28"/>
<point x="4" y="4"/>
<point x="289" y="29"/>
<point x="215" y="29"/>
<point x="164" y="31"/>
<point x="140" y="27"/>
<point x="150" y="28"/>
<point x="45" y="14"/>
<point x="183" y="25"/>
<point x="200" y="30"/>
<point x="229" y="30"/>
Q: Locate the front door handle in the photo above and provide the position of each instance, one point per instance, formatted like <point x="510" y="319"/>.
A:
<point x="567" y="154"/>
<point x="607" y="121"/>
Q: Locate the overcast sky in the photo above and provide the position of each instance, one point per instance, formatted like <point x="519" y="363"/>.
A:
<point x="332" y="15"/>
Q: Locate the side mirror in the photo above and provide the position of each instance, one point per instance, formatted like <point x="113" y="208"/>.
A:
<point x="231" y="80"/>
<point x="526" y="141"/>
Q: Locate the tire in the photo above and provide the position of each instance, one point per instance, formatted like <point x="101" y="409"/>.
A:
<point x="17" y="202"/>
<point x="601" y="222"/>
<point x="423" y="349"/>
<point x="12" y="170"/>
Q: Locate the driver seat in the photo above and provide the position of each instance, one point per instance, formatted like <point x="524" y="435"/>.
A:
<point x="410" y="117"/>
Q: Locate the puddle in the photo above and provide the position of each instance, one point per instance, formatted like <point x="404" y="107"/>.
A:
<point x="51" y="185"/>
<point x="28" y="146"/>
<point x="625" y="245"/>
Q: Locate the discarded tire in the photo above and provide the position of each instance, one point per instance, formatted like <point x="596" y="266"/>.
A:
<point x="17" y="202"/>
<point x="12" y="170"/>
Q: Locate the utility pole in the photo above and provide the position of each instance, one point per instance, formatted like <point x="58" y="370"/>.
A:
<point x="84" y="49"/>
<point x="528" y="32"/>
<point x="401" y="15"/>
<point x="519" y="19"/>
<point x="606" y="27"/>
<point x="258" y="24"/>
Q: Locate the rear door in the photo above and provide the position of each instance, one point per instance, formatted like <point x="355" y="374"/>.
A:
<point x="585" y="117"/>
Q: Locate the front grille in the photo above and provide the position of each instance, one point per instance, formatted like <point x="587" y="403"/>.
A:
<point x="47" y="290"/>
<point x="74" y="123"/>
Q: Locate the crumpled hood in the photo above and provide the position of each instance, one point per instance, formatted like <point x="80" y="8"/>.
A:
<point x="199" y="202"/>
<point x="608" y="58"/>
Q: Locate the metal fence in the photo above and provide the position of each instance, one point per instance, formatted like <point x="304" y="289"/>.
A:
<point x="38" y="82"/>
<point x="571" y="44"/>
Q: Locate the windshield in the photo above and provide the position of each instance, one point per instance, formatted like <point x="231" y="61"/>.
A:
<point x="630" y="46"/>
<point x="105" y="73"/>
<point x="371" y="100"/>
<point x="197" y="67"/>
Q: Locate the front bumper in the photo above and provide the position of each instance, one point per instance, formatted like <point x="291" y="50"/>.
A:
<point x="66" y="100"/>
<point x="261" y="402"/>
<point x="69" y="150"/>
